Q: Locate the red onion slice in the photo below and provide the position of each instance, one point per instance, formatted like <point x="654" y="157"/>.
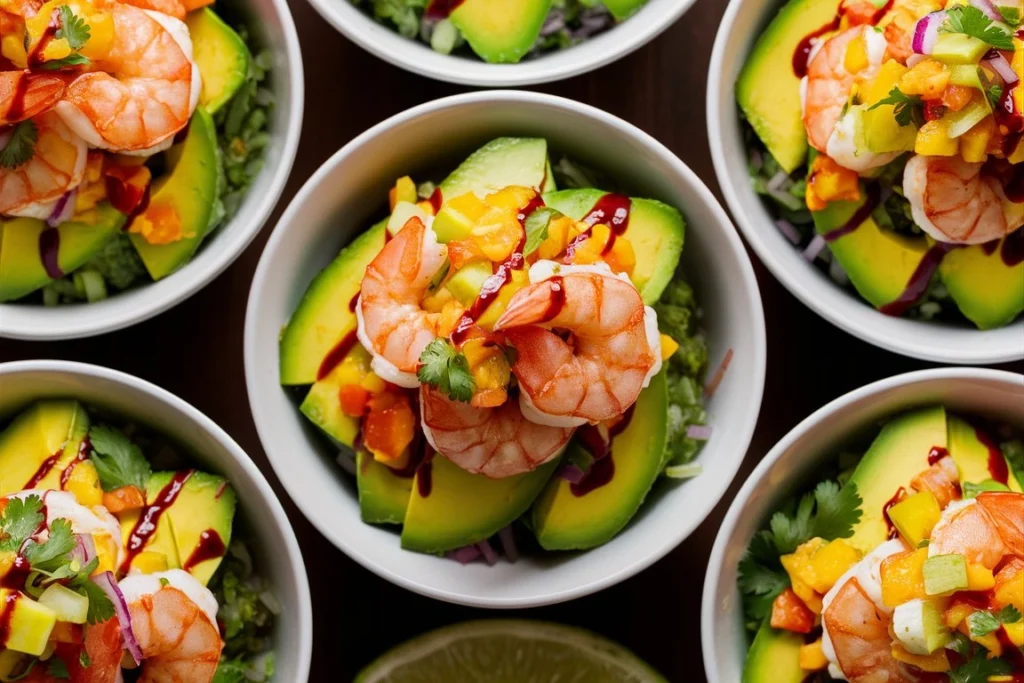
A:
<point x="571" y="473"/>
<point x="926" y="32"/>
<point x="699" y="432"/>
<point x="63" y="210"/>
<point x="464" y="555"/>
<point x="490" y="556"/>
<point x="814" y="249"/>
<point x="5" y="136"/>
<point x="508" y="544"/>
<point x="85" y="549"/>
<point x="712" y="386"/>
<point x="109" y="586"/>
<point x="988" y="9"/>
<point x="788" y="230"/>
<point x="1001" y="66"/>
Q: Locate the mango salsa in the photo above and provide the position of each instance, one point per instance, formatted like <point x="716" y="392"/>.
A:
<point x="903" y="577"/>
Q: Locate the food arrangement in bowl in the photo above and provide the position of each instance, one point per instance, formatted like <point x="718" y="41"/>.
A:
<point x="128" y="134"/>
<point x="886" y="139"/>
<point x="500" y="32"/>
<point x="498" y="349"/>
<point x="113" y="571"/>
<point x="904" y="563"/>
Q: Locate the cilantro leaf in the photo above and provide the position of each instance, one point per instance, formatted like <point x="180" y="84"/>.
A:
<point x="1011" y="15"/>
<point x="447" y="369"/>
<point x="994" y="94"/>
<point x="971" y="21"/>
<point x="838" y="510"/>
<point x="57" y="668"/>
<point x="119" y="462"/>
<point x="52" y="554"/>
<point x="72" y="28"/>
<point x="230" y="671"/>
<point x="21" y="146"/>
<point x="908" y="109"/>
<point x="83" y="659"/>
<point x="984" y="622"/>
<point x="21" y="519"/>
<point x="978" y="669"/>
<point x="536" y="225"/>
<point x="73" y="59"/>
<point x="100" y="607"/>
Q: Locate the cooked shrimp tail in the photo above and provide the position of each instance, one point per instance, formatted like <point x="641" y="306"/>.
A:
<point x="57" y="165"/>
<point x="25" y="95"/>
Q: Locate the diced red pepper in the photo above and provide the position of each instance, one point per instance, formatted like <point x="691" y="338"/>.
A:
<point x="353" y="399"/>
<point x="791" y="614"/>
<point x="933" y="110"/>
<point x="389" y="425"/>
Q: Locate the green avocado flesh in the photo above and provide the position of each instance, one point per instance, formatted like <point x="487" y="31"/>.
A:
<point x="562" y="520"/>
<point x="186" y="194"/>
<point x="988" y="292"/>
<point x="623" y="9"/>
<point x="322" y="404"/>
<point x="324" y="315"/>
<point x="383" y="495"/>
<point x="220" y="54"/>
<point x="499" y="31"/>
<point x="768" y="89"/>
<point x="655" y="231"/>
<point x="972" y="455"/>
<point x="462" y="508"/>
<point x="878" y="262"/>
<point x="774" y="657"/>
<point x="49" y="429"/>
<point x="498" y="164"/>
<point x="21" y="264"/>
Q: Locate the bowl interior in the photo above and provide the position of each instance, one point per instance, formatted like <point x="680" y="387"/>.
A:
<point x="275" y="549"/>
<point x="385" y="42"/>
<point x="337" y="203"/>
<point x="791" y="466"/>
<point x="270" y="25"/>
<point x="842" y="306"/>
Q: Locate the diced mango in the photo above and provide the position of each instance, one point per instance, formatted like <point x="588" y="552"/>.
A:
<point x="29" y="626"/>
<point x="668" y="346"/>
<point x="1018" y="68"/>
<point x="1009" y="589"/>
<point x="389" y="425"/>
<point x="979" y="577"/>
<point x="933" y="140"/>
<point x="791" y="614"/>
<point x="561" y="231"/>
<point x="150" y="561"/>
<point x="928" y="78"/>
<point x="457" y="217"/>
<point x="84" y="482"/>
<point x="403" y="191"/>
<point x="915" y="517"/>
<point x="830" y="182"/>
<point x="1015" y="632"/>
<point x="373" y="383"/>
<point x="903" y="577"/>
<point x="490" y="369"/>
<point x="974" y="143"/>
<point x="935" y="662"/>
<point x="436" y="300"/>
<point x="856" y="58"/>
<point x="819" y="564"/>
<point x="811" y="657"/>
<point x="498" y="233"/>
<point x="621" y="258"/>
<point x="807" y="594"/>
<point x="956" y="97"/>
<point x="957" y="613"/>
<point x="989" y="641"/>
<point x="513" y="197"/>
<point x="449" y="318"/>
<point x="518" y="280"/>
<point x="879" y="87"/>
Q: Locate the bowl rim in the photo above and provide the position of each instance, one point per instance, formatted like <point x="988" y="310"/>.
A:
<point x="709" y="613"/>
<point x="840" y="306"/>
<point x="409" y="54"/>
<point x="190" y="278"/>
<point x="189" y="413"/>
<point x="263" y="421"/>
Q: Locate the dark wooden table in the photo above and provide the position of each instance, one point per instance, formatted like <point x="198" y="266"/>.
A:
<point x="195" y="351"/>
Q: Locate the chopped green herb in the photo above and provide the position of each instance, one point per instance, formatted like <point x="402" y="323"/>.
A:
<point x="983" y="622"/>
<point x="21" y="519"/>
<point x="1011" y="15"/>
<point x="994" y="95"/>
<point x="54" y="553"/>
<point x="447" y="369"/>
<point x="536" y="225"/>
<point x="73" y="59"/>
<point x="21" y="146"/>
<point x="83" y="659"/>
<point x="119" y="462"/>
<point x="57" y="668"/>
<point x="971" y="21"/>
<point x="72" y="28"/>
<point x="907" y="109"/>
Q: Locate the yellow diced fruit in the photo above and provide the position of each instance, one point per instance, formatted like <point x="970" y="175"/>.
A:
<point x="621" y="258"/>
<point x="668" y="346"/>
<point x="811" y="657"/>
<point x="488" y="364"/>
<point x="435" y="301"/>
<point x="856" y="58"/>
<point x="12" y="47"/>
<point x="979" y="577"/>
<point x="450" y="316"/>
<point x="404" y="191"/>
<point x="513" y="197"/>
<point x="498" y="233"/>
<point x="29" y="625"/>
<point x="927" y="78"/>
<point x="933" y="663"/>
<point x="373" y="383"/>
<point x="879" y="88"/>
<point x="974" y="143"/>
<point x="426" y="206"/>
<point x="150" y="561"/>
<point x="1017" y="155"/>
<point x="457" y="217"/>
<point x="101" y="35"/>
<point x="933" y="140"/>
<point x="490" y="316"/>
<point x="354" y="367"/>
<point x="989" y="641"/>
<point x="956" y="614"/>
<point x="561" y="231"/>
<point x="915" y="517"/>
<point x="7" y="559"/>
<point x="1011" y="593"/>
<point x="830" y="562"/>
<point x="903" y="577"/>
<point x="84" y="482"/>
<point x="588" y="251"/>
<point x="1015" y="632"/>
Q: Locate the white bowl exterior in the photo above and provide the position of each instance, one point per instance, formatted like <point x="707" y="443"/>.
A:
<point x="416" y="57"/>
<point x="336" y="204"/>
<point x="271" y="22"/>
<point x="790" y="467"/>
<point x="277" y="553"/>
<point x="842" y="306"/>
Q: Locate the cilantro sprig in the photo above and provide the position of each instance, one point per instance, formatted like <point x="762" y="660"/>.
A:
<point x="443" y="367"/>
<point x="971" y="21"/>
<point x="978" y="667"/>
<point x="21" y="146"/>
<point x="907" y="109"/>
<point x="119" y="462"/>
<point x="536" y="225"/>
<point x="984" y="622"/>
<point x="1011" y="15"/>
<point x="74" y="30"/>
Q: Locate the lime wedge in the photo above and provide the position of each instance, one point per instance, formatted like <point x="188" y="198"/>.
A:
<point x="498" y="651"/>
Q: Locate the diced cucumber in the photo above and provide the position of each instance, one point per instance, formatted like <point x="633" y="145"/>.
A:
<point x="401" y="215"/>
<point x="962" y="121"/>
<point x="66" y="603"/>
<point x="916" y="516"/>
<point x="958" y="48"/>
<point x="944" y="574"/>
<point x="465" y="284"/>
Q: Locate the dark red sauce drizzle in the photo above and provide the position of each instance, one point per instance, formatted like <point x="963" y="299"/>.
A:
<point x="919" y="281"/>
<point x="901" y="493"/>
<point x="874" y="194"/>
<point x="210" y="547"/>
<point x="441" y="9"/>
<point x="1010" y="119"/>
<point x="803" y="48"/>
<point x="336" y="355"/>
<point x="436" y="199"/>
<point x="425" y="476"/>
<point x="49" y="252"/>
<point x="600" y="449"/>
<point x="612" y="210"/>
<point x="123" y="196"/>
<point x="936" y="454"/>
<point x="44" y="469"/>
<point x="148" y="521"/>
<point x="601" y="472"/>
<point x="1012" y="252"/>
<point x="84" y="449"/>
<point x="353" y="303"/>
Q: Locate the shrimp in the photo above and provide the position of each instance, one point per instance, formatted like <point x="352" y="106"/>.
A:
<point x="174" y="618"/>
<point x="614" y="352"/>
<point x="95" y="521"/>
<point x="859" y="635"/>
<point x="942" y="479"/>
<point x="954" y="201"/>
<point x="496" y="442"/>
<point x="825" y="93"/>
<point x="172" y="8"/>
<point x="25" y="95"/>
<point x="391" y="323"/>
<point x="142" y="92"/>
<point x="57" y="166"/>
<point x="984" y="530"/>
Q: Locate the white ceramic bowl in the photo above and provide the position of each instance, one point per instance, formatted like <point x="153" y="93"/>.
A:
<point x="271" y="25"/>
<point x="417" y="57"/>
<point x="276" y="553"/>
<point x="337" y="203"/>
<point x="842" y="306"/>
<point x="791" y="465"/>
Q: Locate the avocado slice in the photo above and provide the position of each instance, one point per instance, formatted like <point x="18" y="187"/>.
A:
<point x="22" y="270"/>
<point x="972" y="455"/>
<point x="880" y="263"/>
<point x="623" y="9"/>
<point x="897" y="455"/>
<point x="220" y="54"/>
<point x="325" y="314"/>
<point x="562" y="520"/>
<point x="323" y="407"/>
<point x="499" y="31"/>
<point x="383" y="495"/>
<point x="186" y="194"/>
<point x="500" y="163"/>
<point x="450" y="508"/>
<point x="768" y="88"/>
<point x="39" y="444"/>
<point x="988" y="292"/>
<point x="774" y="657"/>
<point x="655" y="231"/>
